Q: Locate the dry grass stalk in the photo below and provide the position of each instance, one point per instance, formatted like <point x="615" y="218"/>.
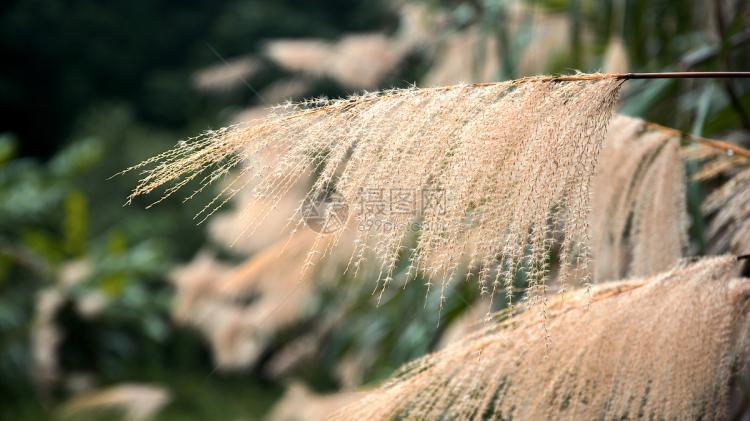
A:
<point x="508" y="161"/>
<point x="716" y="146"/>
<point x="654" y="348"/>
<point x="136" y="401"/>
<point x="638" y="197"/>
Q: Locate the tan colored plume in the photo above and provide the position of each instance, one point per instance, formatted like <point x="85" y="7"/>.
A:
<point x="490" y="171"/>
<point x="639" y="215"/>
<point x="663" y="347"/>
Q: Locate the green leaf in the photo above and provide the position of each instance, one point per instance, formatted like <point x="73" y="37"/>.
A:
<point x="8" y="147"/>
<point x="75" y="224"/>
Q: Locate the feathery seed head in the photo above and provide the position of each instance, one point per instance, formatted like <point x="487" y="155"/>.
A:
<point x="638" y="200"/>
<point x="492" y="173"/>
<point x="662" y="347"/>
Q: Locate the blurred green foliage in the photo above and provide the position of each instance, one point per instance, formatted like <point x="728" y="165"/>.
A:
<point x="89" y="89"/>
